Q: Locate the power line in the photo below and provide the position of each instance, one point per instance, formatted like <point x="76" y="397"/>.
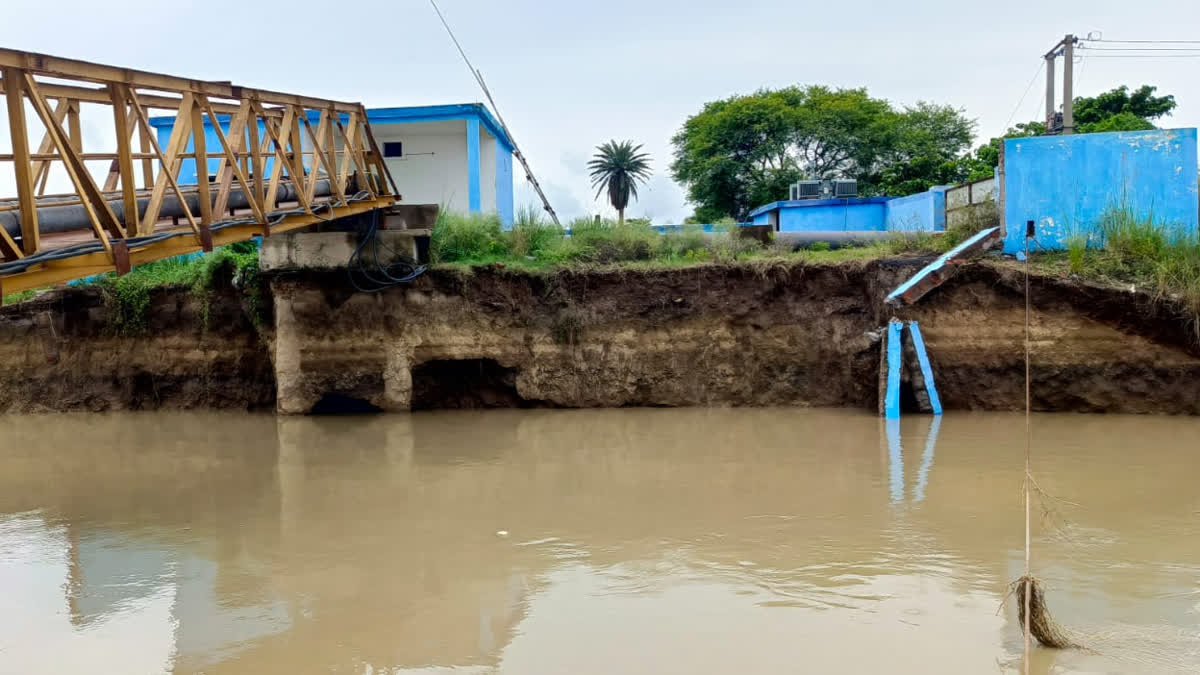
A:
<point x="1147" y="42"/>
<point x="1140" y="49"/>
<point x="1027" y="88"/>
<point x="504" y="127"/>
<point x="1139" y="56"/>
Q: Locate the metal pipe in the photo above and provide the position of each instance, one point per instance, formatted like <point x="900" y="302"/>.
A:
<point x="54" y="218"/>
<point x="835" y="238"/>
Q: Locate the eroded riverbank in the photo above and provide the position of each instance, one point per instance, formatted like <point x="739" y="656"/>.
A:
<point x="785" y="333"/>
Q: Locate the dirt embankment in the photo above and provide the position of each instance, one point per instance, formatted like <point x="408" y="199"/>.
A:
<point x="784" y="335"/>
<point x="61" y="351"/>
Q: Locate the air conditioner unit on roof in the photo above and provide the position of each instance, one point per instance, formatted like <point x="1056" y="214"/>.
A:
<point x="808" y="189"/>
<point x="845" y="189"/>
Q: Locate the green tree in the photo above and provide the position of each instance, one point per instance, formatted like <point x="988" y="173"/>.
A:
<point x="927" y="150"/>
<point x="743" y="151"/>
<point x="1120" y="110"/>
<point x="617" y="168"/>
<point x="1114" y="110"/>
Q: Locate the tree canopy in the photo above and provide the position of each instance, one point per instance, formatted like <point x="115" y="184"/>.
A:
<point x="1114" y="110"/>
<point x="617" y="168"/>
<point x="743" y="151"/>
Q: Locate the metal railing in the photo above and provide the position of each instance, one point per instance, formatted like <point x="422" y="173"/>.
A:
<point x="282" y="162"/>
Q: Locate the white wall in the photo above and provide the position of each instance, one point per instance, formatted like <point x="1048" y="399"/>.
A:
<point x="440" y="178"/>
<point x="487" y="171"/>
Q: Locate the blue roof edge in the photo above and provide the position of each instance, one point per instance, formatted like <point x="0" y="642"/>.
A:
<point x="453" y="111"/>
<point x="791" y="203"/>
<point x="421" y="113"/>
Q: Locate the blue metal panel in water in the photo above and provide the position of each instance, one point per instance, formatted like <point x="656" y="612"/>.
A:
<point x="926" y="370"/>
<point x="895" y="460"/>
<point x="891" y="400"/>
<point x="1066" y="183"/>
<point x="935" y="424"/>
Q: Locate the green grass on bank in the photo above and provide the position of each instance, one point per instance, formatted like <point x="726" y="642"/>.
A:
<point x="128" y="297"/>
<point x="1128" y="249"/>
<point x="536" y="243"/>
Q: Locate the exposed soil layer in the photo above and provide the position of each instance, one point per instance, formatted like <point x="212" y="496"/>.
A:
<point x="60" y="352"/>
<point x="760" y="335"/>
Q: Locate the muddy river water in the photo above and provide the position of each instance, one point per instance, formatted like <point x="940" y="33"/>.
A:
<point x="609" y="541"/>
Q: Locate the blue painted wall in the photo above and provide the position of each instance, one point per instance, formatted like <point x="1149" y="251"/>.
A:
<point x="187" y="172"/>
<point x="473" y="188"/>
<point x="825" y="215"/>
<point x="504" y="184"/>
<point x="1065" y="183"/>
<point x="922" y="212"/>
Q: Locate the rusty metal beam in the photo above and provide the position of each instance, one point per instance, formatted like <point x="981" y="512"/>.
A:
<point x="57" y="87"/>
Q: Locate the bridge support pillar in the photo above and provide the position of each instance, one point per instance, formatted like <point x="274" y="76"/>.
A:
<point x="291" y="394"/>
<point x="353" y="363"/>
<point x="397" y="378"/>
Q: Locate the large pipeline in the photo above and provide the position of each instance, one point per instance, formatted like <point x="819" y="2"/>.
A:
<point x="835" y="238"/>
<point x="64" y="218"/>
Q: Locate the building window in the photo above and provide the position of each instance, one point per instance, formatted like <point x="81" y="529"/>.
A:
<point x="393" y="149"/>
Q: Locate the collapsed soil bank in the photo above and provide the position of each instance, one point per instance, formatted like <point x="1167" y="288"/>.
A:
<point x="790" y="334"/>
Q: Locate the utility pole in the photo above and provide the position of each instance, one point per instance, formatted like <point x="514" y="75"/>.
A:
<point x="1068" y="84"/>
<point x="1050" y="89"/>
<point x="504" y="127"/>
<point x="1067" y="47"/>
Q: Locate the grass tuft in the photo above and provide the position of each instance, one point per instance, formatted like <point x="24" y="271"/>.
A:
<point x="1137" y="250"/>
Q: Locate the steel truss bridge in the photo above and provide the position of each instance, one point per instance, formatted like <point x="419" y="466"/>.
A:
<point x="284" y="162"/>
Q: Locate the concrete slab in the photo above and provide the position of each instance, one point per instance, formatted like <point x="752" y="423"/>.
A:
<point x="937" y="272"/>
<point x="410" y="217"/>
<point x="331" y="250"/>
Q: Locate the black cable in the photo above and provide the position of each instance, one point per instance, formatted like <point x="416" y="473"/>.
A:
<point x="1144" y="42"/>
<point x="378" y="276"/>
<point x="85" y="248"/>
<point x="1140" y="49"/>
<point x="1138" y="56"/>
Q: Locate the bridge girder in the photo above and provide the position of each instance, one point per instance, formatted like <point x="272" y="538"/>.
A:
<point x="285" y="161"/>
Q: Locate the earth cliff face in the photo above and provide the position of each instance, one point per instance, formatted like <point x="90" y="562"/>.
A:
<point x="790" y="334"/>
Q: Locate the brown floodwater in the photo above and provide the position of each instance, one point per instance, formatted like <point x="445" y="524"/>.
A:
<point x="608" y="541"/>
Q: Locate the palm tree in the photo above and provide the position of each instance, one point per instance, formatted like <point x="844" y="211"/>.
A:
<point x="617" y="168"/>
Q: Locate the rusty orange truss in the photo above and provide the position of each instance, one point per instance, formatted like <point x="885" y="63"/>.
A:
<point x="307" y="140"/>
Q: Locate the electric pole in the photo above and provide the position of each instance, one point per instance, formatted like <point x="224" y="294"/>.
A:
<point x="1068" y="44"/>
<point x="1050" y="90"/>
<point x="1065" y="47"/>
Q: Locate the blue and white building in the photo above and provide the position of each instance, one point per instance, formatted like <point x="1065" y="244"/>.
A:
<point x="456" y="156"/>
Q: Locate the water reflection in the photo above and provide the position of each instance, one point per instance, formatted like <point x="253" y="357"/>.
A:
<point x="575" y="541"/>
<point x="935" y="425"/>
<point x="896" y="458"/>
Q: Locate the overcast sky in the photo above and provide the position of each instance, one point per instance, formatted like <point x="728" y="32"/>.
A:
<point x="569" y="75"/>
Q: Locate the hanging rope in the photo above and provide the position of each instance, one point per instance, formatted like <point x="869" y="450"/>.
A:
<point x="1031" y="599"/>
